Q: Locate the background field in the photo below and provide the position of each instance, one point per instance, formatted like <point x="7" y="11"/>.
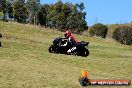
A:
<point x="26" y="63"/>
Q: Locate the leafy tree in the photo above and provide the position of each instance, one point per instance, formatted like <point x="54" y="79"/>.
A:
<point x="76" y="19"/>
<point x="20" y="11"/>
<point x="75" y="23"/>
<point x="33" y="8"/>
<point x="4" y="7"/>
<point x="10" y="12"/>
<point x="63" y="15"/>
<point x="42" y="15"/>
<point x="0" y="5"/>
<point x="10" y="9"/>
<point x="67" y="16"/>
<point x="55" y="15"/>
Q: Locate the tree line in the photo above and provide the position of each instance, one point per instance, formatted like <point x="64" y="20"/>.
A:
<point x="60" y="15"/>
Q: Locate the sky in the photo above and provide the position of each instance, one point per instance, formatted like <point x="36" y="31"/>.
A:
<point x="103" y="11"/>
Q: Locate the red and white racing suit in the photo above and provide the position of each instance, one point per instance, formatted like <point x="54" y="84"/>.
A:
<point x="71" y="39"/>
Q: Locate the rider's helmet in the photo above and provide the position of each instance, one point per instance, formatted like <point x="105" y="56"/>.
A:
<point x="67" y="34"/>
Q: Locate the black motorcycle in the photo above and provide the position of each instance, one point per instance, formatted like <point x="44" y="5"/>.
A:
<point x="81" y="47"/>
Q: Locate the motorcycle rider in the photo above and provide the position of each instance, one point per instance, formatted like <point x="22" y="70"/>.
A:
<point x="70" y="40"/>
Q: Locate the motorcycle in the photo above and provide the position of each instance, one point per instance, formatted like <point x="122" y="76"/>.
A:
<point x="80" y="47"/>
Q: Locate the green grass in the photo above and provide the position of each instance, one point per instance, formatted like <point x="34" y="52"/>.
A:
<point x="26" y="63"/>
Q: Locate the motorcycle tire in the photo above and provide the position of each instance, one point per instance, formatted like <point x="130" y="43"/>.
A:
<point x="84" y="81"/>
<point x="85" y="53"/>
<point x="51" y="49"/>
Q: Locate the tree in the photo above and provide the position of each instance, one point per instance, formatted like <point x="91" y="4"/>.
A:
<point x="33" y="8"/>
<point x="63" y="15"/>
<point x="75" y="23"/>
<point x="67" y="16"/>
<point x="20" y="11"/>
<point x="76" y="19"/>
<point x="55" y="14"/>
<point x="0" y="5"/>
<point x="4" y="7"/>
<point x="10" y="11"/>
<point x="42" y="15"/>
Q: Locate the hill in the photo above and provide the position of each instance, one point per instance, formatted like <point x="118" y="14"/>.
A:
<point x="111" y="28"/>
<point x="26" y="63"/>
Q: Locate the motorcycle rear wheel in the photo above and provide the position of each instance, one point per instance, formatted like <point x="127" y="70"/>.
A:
<point x="85" y="53"/>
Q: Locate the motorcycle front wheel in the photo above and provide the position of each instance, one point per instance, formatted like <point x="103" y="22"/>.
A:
<point x="84" y="81"/>
<point x="51" y="49"/>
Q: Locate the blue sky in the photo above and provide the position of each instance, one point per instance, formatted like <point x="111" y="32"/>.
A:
<point x="104" y="11"/>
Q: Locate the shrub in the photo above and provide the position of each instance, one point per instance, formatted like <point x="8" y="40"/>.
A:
<point x="98" y="30"/>
<point x="123" y="35"/>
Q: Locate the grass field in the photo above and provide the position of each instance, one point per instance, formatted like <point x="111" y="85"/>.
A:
<point x="26" y="63"/>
